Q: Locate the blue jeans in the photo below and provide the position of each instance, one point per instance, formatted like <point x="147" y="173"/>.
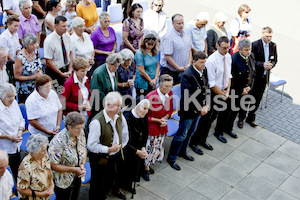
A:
<point x="187" y="128"/>
<point x="105" y="4"/>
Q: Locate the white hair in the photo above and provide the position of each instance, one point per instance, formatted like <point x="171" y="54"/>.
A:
<point x="103" y="15"/>
<point x="29" y="38"/>
<point x="36" y="142"/>
<point x="3" y="155"/>
<point x="126" y="54"/>
<point x="22" y="2"/>
<point x="112" y="98"/>
<point x="6" y="87"/>
<point x="220" y="17"/>
<point x="77" y="21"/>
<point x="2" y="51"/>
<point x="203" y="16"/>
<point x="114" y="58"/>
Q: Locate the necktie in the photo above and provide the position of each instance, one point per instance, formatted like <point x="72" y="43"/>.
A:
<point x="267" y="54"/>
<point x="64" y="51"/>
<point x="224" y="74"/>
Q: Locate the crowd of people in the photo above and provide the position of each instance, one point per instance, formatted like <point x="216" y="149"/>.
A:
<point x="83" y="82"/>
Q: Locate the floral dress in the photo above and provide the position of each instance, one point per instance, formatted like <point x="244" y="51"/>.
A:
<point x="135" y="34"/>
<point x="29" y="68"/>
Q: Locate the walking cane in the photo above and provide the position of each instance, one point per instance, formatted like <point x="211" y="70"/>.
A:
<point x="136" y="177"/>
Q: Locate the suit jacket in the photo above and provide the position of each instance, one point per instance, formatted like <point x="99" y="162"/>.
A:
<point x="102" y="83"/>
<point x="241" y="73"/>
<point x="192" y="82"/>
<point x="154" y="128"/>
<point x="72" y="94"/>
<point x="258" y="50"/>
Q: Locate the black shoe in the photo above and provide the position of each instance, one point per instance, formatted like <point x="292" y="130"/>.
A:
<point x="187" y="157"/>
<point x="233" y="135"/>
<point x="146" y="176"/>
<point x="251" y="123"/>
<point x="196" y="149"/>
<point x="206" y="146"/>
<point x="221" y="138"/>
<point x="130" y="189"/>
<point x="173" y="165"/>
<point x="151" y="171"/>
<point x="240" y="123"/>
<point x="119" y="194"/>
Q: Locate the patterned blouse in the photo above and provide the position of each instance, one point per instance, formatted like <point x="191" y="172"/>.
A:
<point x="32" y="176"/>
<point x="135" y="34"/>
<point x="64" y="152"/>
<point x="29" y="68"/>
<point x="124" y="75"/>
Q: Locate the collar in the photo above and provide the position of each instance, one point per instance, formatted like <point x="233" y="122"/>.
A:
<point x="200" y="72"/>
<point x="76" y="79"/>
<point x="195" y="27"/>
<point x="110" y="73"/>
<point x="264" y="44"/>
<point x="23" y="19"/>
<point x="77" y="37"/>
<point x="245" y="58"/>
<point x="38" y="96"/>
<point x="220" y="55"/>
<point x="180" y="34"/>
<point x="107" y="118"/>
<point x="159" y="93"/>
<point x="134" y="113"/>
<point x="9" y="34"/>
<point x="2" y="106"/>
<point x="56" y="34"/>
<point x="69" y="138"/>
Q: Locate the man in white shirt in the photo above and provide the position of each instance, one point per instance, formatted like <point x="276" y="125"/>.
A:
<point x="108" y="136"/>
<point x="4" y="77"/>
<point x="58" y="52"/>
<point x="6" y="179"/>
<point x="196" y="30"/>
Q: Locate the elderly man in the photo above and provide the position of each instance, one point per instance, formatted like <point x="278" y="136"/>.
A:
<point x="107" y="137"/>
<point x="58" y="52"/>
<point x="192" y="107"/>
<point x="28" y="22"/>
<point x="265" y="53"/>
<point x="196" y="30"/>
<point x="6" y="179"/>
<point x="176" y="52"/>
<point x="5" y="74"/>
<point x="155" y="19"/>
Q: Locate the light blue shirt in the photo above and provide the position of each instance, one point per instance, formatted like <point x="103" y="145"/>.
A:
<point x="197" y="35"/>
<point x="267" y="54"/>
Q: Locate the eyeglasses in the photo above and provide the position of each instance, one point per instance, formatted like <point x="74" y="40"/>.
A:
<point x="225" y="48"/>
<point x="157" y="5"/>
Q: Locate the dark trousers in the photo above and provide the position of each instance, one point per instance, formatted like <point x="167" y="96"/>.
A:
<point x="202" y="130"/>
<point x="175" y="74"/>
<point x="257" y="92"/>
<point x="22" y="98"/>
<point x="70" y="193"/>
<point x="14" y="162"/>
<point x="104" y="177"/>
<point x="180" y="141"/>
<point x="57" y="80"/>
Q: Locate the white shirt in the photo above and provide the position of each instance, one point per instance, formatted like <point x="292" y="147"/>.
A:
<point x="154" y="21"/>
<point x="83" y="89"/>
<point x="10" y="5"/>
<point x="10" y="120"/>
<point x="49" y="17"/>
<point x="162" y="96"/>
<point x="237" y="25"/>
<point x="111" y="76"/>
<point x="81" y="48"/>
<point x="215" y="70"/>
<point x="44" y="110"/>
<point x="93" y="143"/>
<point x="3" y="76"/>
<point x="53" y="48"/>
<point x="6" y="186"/>
<point x="197" y="35"/>
<point x="199" y="72"/>
<point x="10" y="43"/>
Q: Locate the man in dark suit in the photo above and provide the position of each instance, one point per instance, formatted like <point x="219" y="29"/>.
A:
<point x="192" y="106"/>
<point x="265" y="53"/>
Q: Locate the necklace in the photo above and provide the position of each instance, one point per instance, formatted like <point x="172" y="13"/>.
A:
<point x="31" y="57"/>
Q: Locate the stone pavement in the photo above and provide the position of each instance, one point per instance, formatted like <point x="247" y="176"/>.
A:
<point x="258" y="165"/>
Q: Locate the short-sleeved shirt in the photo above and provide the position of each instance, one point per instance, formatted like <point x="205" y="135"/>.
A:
<point x="197" y="35"/>
<point x="81" y="48"/>
<point x="103" y="43"/>
<point x="124" y="75"/>
<point x="6" y="185"/>
<point x="10" y="43"/>
<point x="178" y="46"/>
<point x="149" y="63"/>
<point x="45" y="110"/>
<point x="53" y="48"/>
<point x="30" y="25"/>
<point x="134" y="33"/>
<point x="89" y="14"/>
<point x="64" y="152"/>
<point x="10" y="5"/>
<point x="33" y="176"/>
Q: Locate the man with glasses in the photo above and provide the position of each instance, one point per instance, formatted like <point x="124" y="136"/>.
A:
<point x="155" y="19"/>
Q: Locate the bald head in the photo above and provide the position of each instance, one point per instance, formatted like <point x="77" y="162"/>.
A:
<point x="178" y="22"/>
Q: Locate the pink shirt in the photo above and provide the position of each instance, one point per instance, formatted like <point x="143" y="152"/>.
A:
<point x="30" y="25"/>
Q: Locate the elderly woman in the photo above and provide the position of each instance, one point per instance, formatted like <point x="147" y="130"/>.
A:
<point x="11" y="126"/>
<point x="104" y="40"/>
<point x="133" y="28"/>
<point x="147" y="62"/>
<point x="217" y="30"/>
<point x="161" y="109"/>
<point x="77" y="91"/>
<point x="126" y="72"/>
<point x="53" y="8"/>
<point x="28" y="67"/>
<point x="35" y="174"/>
<point x="86" y="9"/>
<point x="67" y="152"/>
<point x="28" y="22"/>
<point x="44" y="110"/>
<point x="81" y="41"/>
<point x="135" y="151"/>
<point x="240" y="27"/>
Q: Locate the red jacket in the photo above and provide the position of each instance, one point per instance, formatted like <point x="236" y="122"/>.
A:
<point x="155" y="101"/>
<point x="71" y="94"/>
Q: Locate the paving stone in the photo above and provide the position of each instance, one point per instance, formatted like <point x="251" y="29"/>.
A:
<point x="280" y="195"/>
<point x="256" y="149"/>
<point x="210" y="187"/>
<point x="236" y="195"/>
<point x="266" y="137"/>
<point x="282" y="162"/>
<point x="221" y="150"/>
<point x="143" y="193"/>
<point x="290" y="148"/>
<point x="189" y="194"/>
<point x="296" y="173"/>
<point x="269" y="174"/>
<point x="255" y="187"/>
<point x="291" y="186"/>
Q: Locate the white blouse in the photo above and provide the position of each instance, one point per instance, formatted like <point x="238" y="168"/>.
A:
<point x="82" y="48"/>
